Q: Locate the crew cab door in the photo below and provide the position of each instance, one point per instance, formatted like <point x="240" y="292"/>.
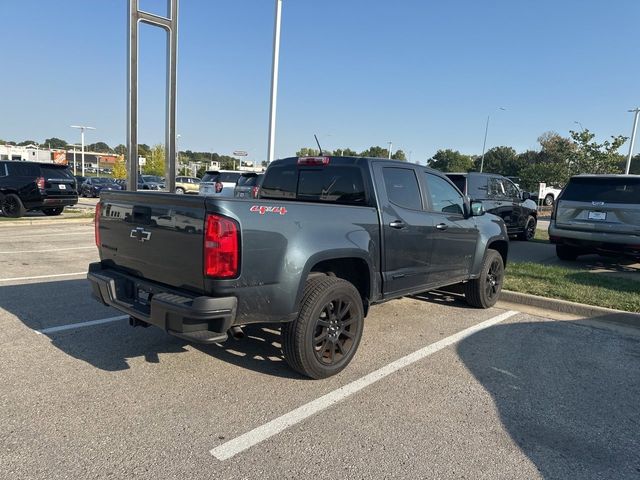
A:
<point x="407" y="229"/>
<point x="455" y="237"/>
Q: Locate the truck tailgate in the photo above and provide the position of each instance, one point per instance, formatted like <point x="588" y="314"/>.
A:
<point x="155" y="236"/>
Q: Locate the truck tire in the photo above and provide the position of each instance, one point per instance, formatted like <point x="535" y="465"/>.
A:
<point x="323" y="339"/>
<point x="179" y="190"/>
<point x="12" y="206"/>
<point x="548" y="200"/>
<point x="564" y="252"/>
<point x="484" y="291"/>
<point x="529" y="229"/>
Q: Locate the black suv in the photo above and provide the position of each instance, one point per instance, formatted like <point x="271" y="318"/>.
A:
<point x="500" y="196"/>
<point x="28" y="186"/>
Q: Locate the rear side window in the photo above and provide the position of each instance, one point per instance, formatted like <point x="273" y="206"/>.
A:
<point x="23" y="169"/>
<point x="402" y="187"/>
<point x="333" y="184"/>
<point x="477" y="186"/>
<point x="608" y="190"/>
<point x="229" y="177"/>
<point x="210" y="177"/>
<point x="56" y="173"/>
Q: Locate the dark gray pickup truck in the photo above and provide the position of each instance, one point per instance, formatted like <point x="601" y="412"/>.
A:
<point x="327" y="238"/>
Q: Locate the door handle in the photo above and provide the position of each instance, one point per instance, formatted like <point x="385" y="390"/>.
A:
<point x="442" y="226"/>
<point x="397" y="224"/>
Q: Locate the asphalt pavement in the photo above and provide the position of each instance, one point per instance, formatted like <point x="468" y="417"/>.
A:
<point x="436" y="390"/>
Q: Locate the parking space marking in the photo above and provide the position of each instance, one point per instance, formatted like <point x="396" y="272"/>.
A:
<point x="247" y="440"/>
<point x="48" y="250"/>
<point x="90" y="323"/>
<point x="39" y="277"/>
<point x="44" y="235"/>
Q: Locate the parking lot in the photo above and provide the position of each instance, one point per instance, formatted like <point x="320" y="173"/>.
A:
<point x="437" y="390"/>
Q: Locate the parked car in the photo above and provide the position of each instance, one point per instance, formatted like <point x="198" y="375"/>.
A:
<point x="93" y="186"/>
<point x="187" y="185"/>
<point x="500" y="196"/>
<point x="150" y="182"/>
<point x="549" y="194"/>
<point x="219" y="182"/>
<point x="248" y="185"/>
<point x="597" y="214"/>
<point x="328" y="238"/>
<point x="79" y="181"/>
<point x="26" y="186"/>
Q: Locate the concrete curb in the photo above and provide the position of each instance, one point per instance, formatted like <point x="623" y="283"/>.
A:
<point x="580" y="309"/>
<point x="34" y="221"/>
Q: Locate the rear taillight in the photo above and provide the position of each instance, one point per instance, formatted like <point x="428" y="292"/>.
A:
<point x="40" y="182"/>
<point x="219" y="186"/>
<point x="221" y="248"/>
<point x="255" y="191"/>
<point x="322" y="161"/>
<point x="96" y="222"/>
<point x="554" y="210"/>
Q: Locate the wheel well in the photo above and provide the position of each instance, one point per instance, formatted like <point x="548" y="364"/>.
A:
<point x="354" y="270"/>
<point x="502" y="248"/>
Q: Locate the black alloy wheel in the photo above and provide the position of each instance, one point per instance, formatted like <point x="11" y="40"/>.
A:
<point x="335" y="331"/>
<point x="529" y="230"/>
<point x="12" y="206"/>
<point x="484" y="291"/>
<point x="494" y="278"/>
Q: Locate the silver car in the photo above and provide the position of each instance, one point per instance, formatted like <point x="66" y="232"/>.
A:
<point x="597" y="214"/>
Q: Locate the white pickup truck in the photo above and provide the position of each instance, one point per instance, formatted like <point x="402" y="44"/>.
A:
<point x="548" y="194"/>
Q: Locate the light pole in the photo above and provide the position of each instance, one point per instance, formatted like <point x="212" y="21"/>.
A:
<point x="390" y="147"/>
<point x="633" y="137"/>
<point x="82" y="129"/>
<point x="74" y="158"/>
<point x="484" y="145"/>
<point x="274" y="82"/>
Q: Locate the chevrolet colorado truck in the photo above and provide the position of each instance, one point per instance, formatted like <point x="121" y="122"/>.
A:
<point x="327" y="238"/>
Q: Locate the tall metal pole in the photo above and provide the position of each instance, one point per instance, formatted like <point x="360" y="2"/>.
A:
<point x="633" y="137"/>
<point x="74" y="161"/>
<point x="274" y="82"/>
<point x="484" y="145"/>
<point x="390" y="147"/>
<point x="82" y="129"/>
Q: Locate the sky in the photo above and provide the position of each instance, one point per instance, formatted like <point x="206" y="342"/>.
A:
<point x="422" y="74"/>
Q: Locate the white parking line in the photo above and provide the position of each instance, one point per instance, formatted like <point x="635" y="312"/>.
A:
<point x="69" y="234"/>
<point x="48" y="250"/>
<point x="38" y="277"/>
<point x="259" y="434"/>
<point x="90" y="323"/>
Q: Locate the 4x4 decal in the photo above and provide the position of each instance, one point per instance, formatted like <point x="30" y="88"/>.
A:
<point x="262" y="209"/>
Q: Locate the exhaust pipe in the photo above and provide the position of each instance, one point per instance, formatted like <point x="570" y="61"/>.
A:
<point x="236" y="332"/>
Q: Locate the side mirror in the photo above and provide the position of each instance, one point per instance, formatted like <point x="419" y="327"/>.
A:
<point x="526" y="195"/>
<point x="477" y="209"/>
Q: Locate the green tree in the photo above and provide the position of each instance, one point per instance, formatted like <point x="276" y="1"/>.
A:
<point x="307" y="152"/>
<point x="502" y="160"/>
<point x="99" y="147"/>
<point x="144" y="150"/>
<point x="120" y="149"/>
<point x="451" y="161"/>
<point x="155" y="161"/>
<point x="593" y="157"/>
<point x="54" y="142"/>
<point x="635" y="165"/>
<point x="399" y="155"/>
<point x="375" y="152"/>
<point x="24" y="143"/>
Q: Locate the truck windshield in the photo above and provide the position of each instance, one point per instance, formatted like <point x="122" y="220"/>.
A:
<point x="603" y="189"/>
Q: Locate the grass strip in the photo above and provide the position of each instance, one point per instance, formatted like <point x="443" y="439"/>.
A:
<point x="574" y="285"/>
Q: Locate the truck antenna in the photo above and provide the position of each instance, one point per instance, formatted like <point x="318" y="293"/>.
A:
<point x="319" y="147"/>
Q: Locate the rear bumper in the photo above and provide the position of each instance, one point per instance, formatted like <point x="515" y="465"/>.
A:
<point x="198" y="319"/>
<point x="47" y="202"/>
<point x="627" y="244"/>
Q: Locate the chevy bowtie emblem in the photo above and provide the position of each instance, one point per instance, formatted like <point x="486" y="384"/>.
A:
<point x="140" y="234"/>
<point x="597" y="204"/>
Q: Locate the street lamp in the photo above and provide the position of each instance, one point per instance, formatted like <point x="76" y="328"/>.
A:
<point x="82" y="129"/>
<point x="633" y="137"/>
<point x="390" y="147"/>
<point x="75" y="145"/>
<point x="486" y="130"/>
<point x="274" y="82"/>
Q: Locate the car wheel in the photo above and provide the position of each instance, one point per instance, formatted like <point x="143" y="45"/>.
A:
<point x="548" y="200"/>
<point x="529" y="229"/>
<point x="323" y="339"/>
<point x="12" y="206"/>
<point x="565" y="252"/>
<point x="52" y="211"/>
<point x="484" y="291"/>
<point x="179" y="190"/>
